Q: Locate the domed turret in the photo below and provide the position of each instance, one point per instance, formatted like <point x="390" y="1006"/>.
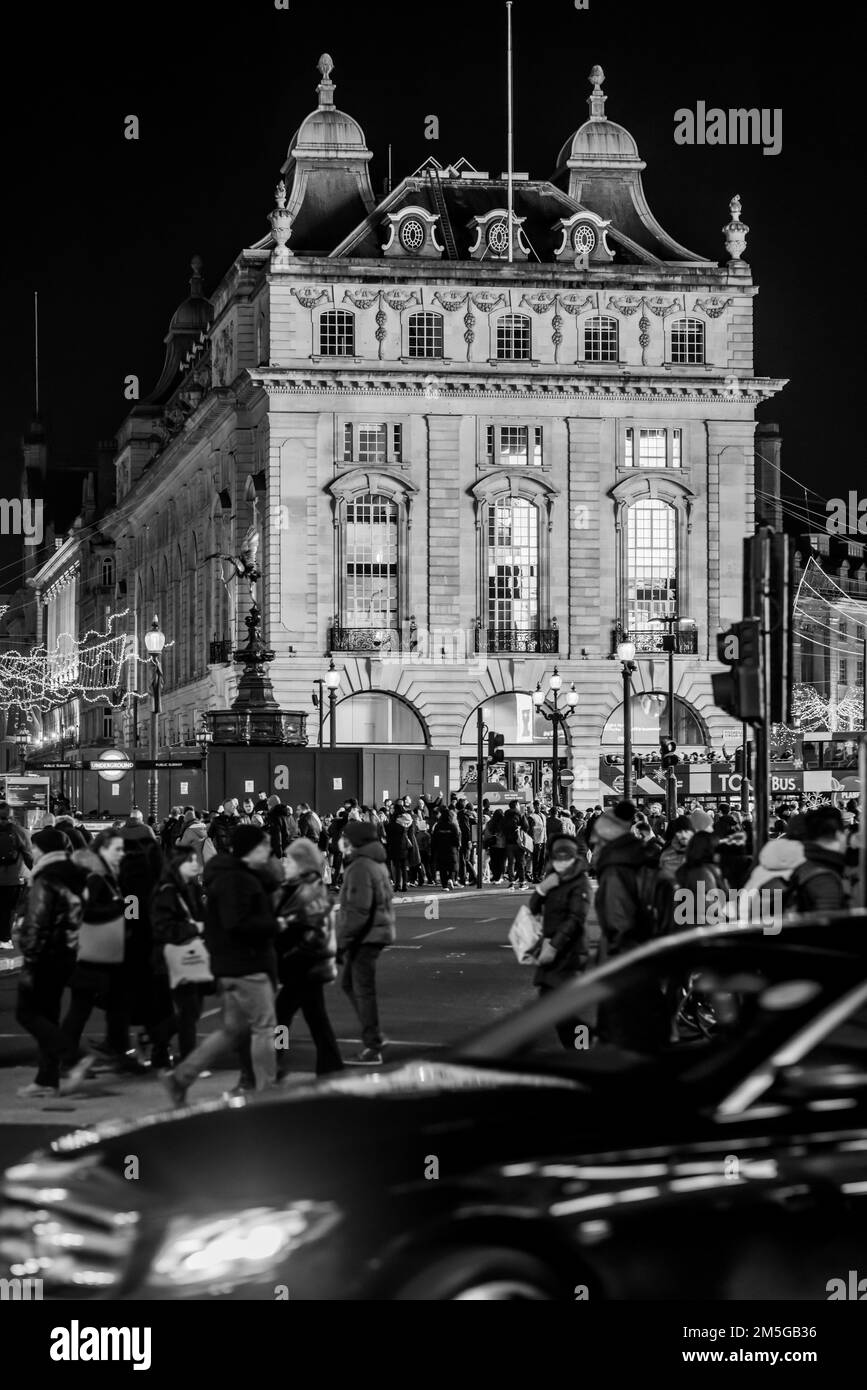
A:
<point x="191" y="318"/>
<point x="604" y="172"/>
<point x="328" y="159"/>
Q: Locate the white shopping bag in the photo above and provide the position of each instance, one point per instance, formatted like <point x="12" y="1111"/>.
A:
<point x="525" y="934"/>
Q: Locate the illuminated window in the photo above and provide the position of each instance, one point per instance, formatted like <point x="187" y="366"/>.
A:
<point x="651" y="563"/>
<point x="513" y="564"/>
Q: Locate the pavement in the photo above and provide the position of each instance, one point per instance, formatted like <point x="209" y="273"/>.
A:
<point x="450" y="974"/>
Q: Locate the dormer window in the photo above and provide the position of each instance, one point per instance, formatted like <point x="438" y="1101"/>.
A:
<point x="498" y="238"/>
<point x="583" y="239"/>
<point x="411" y="234"/>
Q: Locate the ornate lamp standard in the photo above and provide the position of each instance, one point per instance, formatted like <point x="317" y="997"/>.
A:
<point x="155" y="640"/>
<point x="22" y="743"/>
<point x="204" y="738"/>
<point x="678" y="638"/>
<point x="626" y="655"/>
<point x="549" y="709"/>
<point x="332" y="684"/>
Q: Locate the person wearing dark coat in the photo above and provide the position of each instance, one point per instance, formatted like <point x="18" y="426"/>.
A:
<point x="281" y="826"/>
<point x="626" y="869"/>
<point x="399" y="848"/>
<point x="515" y="824"/>
<point x="95" y="984"/>
<point x="49" y="921"/>
<point x="223" y="826"/>
<point x="467" y="825"/>
<point x="306" y="959"/>
<point x="67" y="826"/>
<point x="562" y="900"/>
<point x="494" y="841"/>
<point x="178" y="916"/>
<point x="240" y="933"/>
<point x="445" y="848"/>
<point x="819" y="885"/>
<point x="365" y="926"/>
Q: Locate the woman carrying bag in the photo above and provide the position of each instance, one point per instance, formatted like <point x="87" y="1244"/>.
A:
<point x="562" y="900"/>
<point x="179" y="955"/>
<point x="306" y="954"/>
<point x="97" y="979"/>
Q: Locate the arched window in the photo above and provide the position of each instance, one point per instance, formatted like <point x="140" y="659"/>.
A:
<point x="651" y="563"/>
<point x="600" y="339"/>
<point x="687" y="342"/>
<point x="425" y="335"/>
<point x="649" y="722"/>
<point x="513" y="567"/>
<point x="374" y="717"/>
<point x="513" y="337"/>
<point x="337" y="333"/>
<point x="370" y="565"/>
<point x="107" y="570"/>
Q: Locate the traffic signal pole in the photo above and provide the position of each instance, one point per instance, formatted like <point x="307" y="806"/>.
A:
<point x="480" y="782"/>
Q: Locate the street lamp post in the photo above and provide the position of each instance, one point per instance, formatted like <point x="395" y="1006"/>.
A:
<point x="332" y="682"/>
<point x="626" y="655"/>
<point x="676" y="628"/>
<point x="319" y="704"/>
<point x="155" y="640"/>
<point x="550" y="709"/>
<point x="204" y="738"/>
<point x="22" y="743"/>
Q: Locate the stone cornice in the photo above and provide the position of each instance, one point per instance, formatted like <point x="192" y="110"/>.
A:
<point x="730" y="390"/>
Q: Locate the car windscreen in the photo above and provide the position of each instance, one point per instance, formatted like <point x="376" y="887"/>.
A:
<point x="698" y="1014"/>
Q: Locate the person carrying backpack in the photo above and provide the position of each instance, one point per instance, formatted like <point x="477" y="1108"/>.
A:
<point x="306" y="954"/>
<point x="15" y="857"/>
<point x="764" y="895"/>
<point x="818" y="884"/>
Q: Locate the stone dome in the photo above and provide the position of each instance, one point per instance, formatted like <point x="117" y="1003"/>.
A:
<point x="193" y="314"/>
<point x="600" y="142"/>
<point x="325" y="128"/>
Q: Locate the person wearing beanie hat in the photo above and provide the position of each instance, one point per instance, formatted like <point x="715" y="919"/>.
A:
<point x="240" y="933"/>
<point x="306" y="954"/>
<point x="819" y="884"/>
<point x="47" y="936"/>
<point x="626" y="872"/>
<point x="700" y="820"/>
<point x="763" y="896"/>
<point x="562" y="900"/>
<point x="365" y="926"/>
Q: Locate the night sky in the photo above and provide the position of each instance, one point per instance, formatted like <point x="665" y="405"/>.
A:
<point x="104" y="228"/>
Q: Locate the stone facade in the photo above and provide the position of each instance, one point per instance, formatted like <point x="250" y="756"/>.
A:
<point x="273" y="394"/>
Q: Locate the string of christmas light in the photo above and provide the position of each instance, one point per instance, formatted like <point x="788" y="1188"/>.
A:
<point x="77" y="668"/>
<point x="812" y="712"/>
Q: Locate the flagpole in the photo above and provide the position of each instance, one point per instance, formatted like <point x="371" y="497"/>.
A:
<point x="36" y="346"/>
<point x="509" y="138"/>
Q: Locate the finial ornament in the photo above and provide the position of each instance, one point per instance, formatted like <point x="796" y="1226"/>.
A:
<point x="196" y="278"/>
<point x="326" y="66"/>
<point x="735" y="232"/>
<point x="597" y="98"/>
<point x="280" y="194"/>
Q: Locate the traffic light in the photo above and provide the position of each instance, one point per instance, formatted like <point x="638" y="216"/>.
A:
<point x="495" y="748"/>
<point x="738" y="692"/>
<point x="740" y="762"/>
<point x="638" y="767"/>
<point x="670" y="757"/>
<point x="772" y="553"/>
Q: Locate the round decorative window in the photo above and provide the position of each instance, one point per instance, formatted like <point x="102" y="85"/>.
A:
<point x="498" y="237"/>
<point x="583" y="239"/>
<point x="411" y="234"/>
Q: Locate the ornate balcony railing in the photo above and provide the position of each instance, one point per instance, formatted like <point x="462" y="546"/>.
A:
<point x="364" y="639"/>
<point x="531" y="640"/>
<point x="220" y="649"/>
<point x="656" y="639"/>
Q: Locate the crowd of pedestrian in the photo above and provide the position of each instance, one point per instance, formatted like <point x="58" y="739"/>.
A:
<point x="265" y="904"/>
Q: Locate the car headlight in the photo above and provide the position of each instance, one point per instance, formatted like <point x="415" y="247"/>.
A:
<point x="237" y="1247"/>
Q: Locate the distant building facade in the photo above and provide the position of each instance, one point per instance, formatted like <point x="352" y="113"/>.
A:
<point x="469" y="451"/>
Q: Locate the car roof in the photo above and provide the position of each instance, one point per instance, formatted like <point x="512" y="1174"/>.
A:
<point x="839" y="933"/>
